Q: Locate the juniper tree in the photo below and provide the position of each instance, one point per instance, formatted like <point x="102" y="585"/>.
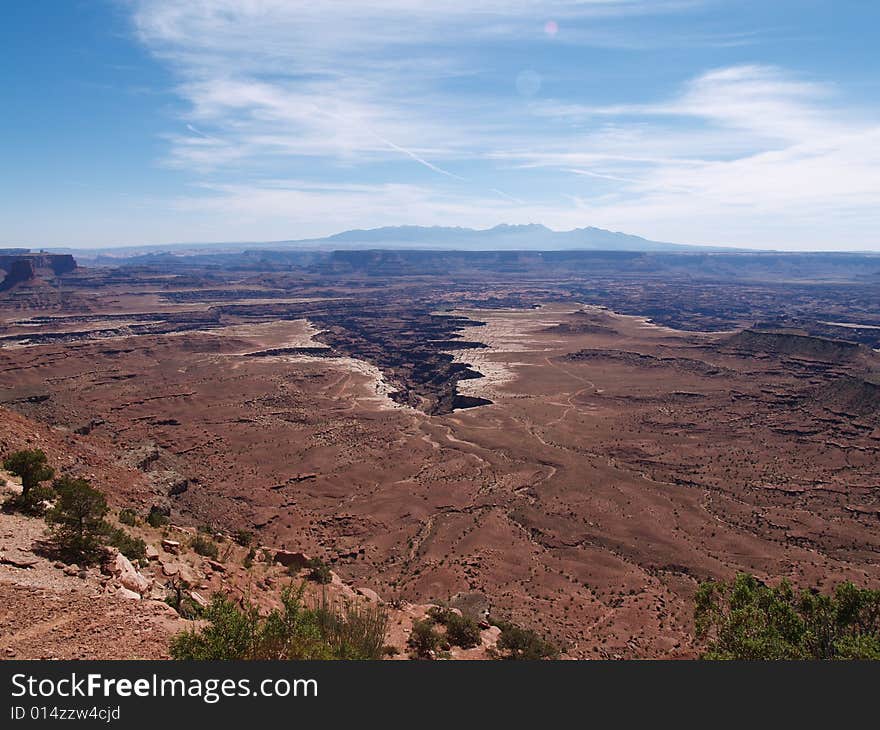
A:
<point x="77" y="519"/>
<point x="32" y="466"/>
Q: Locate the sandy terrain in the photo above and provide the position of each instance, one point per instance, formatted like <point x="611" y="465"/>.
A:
<point x="619" y="463"/>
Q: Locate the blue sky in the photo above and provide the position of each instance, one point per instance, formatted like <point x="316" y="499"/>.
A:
<point x="742" y="122"/>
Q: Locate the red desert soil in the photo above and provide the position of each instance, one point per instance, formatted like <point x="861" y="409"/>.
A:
<point x="619" y="464"/>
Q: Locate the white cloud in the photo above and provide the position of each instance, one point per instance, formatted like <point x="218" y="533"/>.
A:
<point x="744" y="154"/>
<point x="336" y="90"/>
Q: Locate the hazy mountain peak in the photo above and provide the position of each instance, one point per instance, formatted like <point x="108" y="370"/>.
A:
<point x="533" y="236"/>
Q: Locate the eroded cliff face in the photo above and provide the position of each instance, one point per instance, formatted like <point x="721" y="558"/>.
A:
<point x="24" y="267"/>
<point x="18" y="271"/>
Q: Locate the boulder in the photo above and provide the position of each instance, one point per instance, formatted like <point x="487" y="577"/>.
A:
<point x="152" y="552"/>
<point x="171" y="546"/>
<point x="18" y="558"/>
<point x="126" y="593"/>
<point x="188" y="575"/>
<point x="489" y="637"/>
<point x="199" y="599"/>
<point x="289" y="558"/>
<point x="129" y="576"/>
<point x="345" y="590"/>
<point x="217" y="566"/>
<point x="369" y="594"/>
<point x="170" y="569"/>
<point x="181" y="571"/>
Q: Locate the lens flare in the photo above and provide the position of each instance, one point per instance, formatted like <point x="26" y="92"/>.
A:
<point x="528" y="83"/>
<point x="551" y="28"/>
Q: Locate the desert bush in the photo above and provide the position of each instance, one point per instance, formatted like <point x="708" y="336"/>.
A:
<point x="230" y="634"/>
<point x="249" y="558"/>
<point x="32" y="466"/>
<point x="515" y="642"/>
<point x="460" y="630"/>
<point x="354" y="630"/>
<point x="423" y="638"/>
<point x="319" y="571"/>
<point x="77" y="520"/>
<point x="178" y="599"/>
<point x="294" y="631"/>
<point x="243" y="537"/>
<point x="748" y="620"/>
<point x="156" y="517"/>
<point x="205" y="546"/>
<point x="131" y="547"/>
<point x="128" y="517"/>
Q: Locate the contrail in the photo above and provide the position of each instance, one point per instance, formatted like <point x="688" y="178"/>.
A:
<point x="199" y="132"/>
<point x="414" y="156"/>
<point x="388" y="143"/>
<point x="508" y="197"/>
<point x="590" y="173"/>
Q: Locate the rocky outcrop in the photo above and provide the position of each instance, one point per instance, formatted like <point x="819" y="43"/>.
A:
<point x="24" y="267"/>
<point x="129" y="576"/>
<point x="18" y="272"/>
<point x="793" y="345"/>
<point x="288" y="559"/>
<point x="851" y="395"/>
<point x="18" y="559"/>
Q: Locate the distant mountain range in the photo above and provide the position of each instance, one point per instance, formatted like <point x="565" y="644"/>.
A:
<point x="534" y="237"/>
<point x="531" y="237"/>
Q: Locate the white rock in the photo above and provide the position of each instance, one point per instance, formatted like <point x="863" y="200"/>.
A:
<point x="370" y="595"/>
<point x="171" y="546"/>
<point x="489" y="637"/>
<point x="129" y="576"/>
<point x="125" y="593"/>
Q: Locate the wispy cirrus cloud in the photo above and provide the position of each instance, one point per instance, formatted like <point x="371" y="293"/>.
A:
<point x="343" y="77"/>
<point x="748" y="147"/>
<point x="400" y="111"/>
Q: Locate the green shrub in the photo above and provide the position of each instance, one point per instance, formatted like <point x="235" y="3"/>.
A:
<point x="77" y="520"/>
<point x="249" y="558"/>
<point x="128" y="517"/>
<point x="748" y="620"/>
<point x="32" y="466"/>
<point x="179" y="600"/>
<point x="423" y="638"/>
<point x="156" y="517"/>
<point x="205" y="547"/>
<point x="131" y="547"/>
<point x="319" y="571"/>
<point x="230" y="634"/>
<point x="516" y="642"/>
<point x="243" y="537"/>
<point x="460" y="630"/>
<point x="292" y="632"/>
<point x="354" y="630"/>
